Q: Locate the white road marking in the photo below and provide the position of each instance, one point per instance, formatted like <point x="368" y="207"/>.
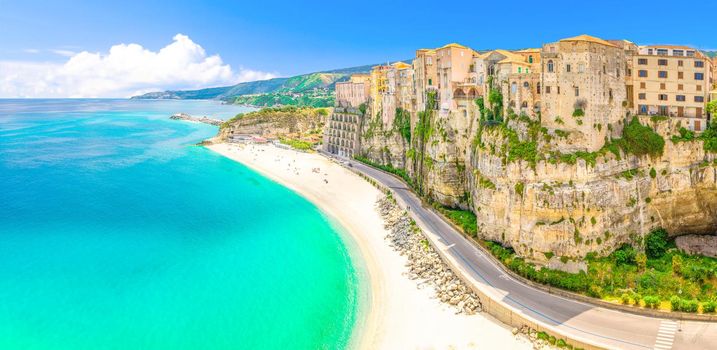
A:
<point x="665" y="335"/>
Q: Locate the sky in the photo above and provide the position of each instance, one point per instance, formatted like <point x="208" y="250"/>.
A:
<point x="76" y="48"/>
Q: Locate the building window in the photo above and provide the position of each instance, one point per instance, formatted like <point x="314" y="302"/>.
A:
<point x="642" y="73"/>
<point x="680" y="87"/>
<point x="699" y="76"/>
<point x="547" y="89"/>
<point x="662" y="97"/>
<point x="680" y="98"/>
<point x="430" y="82"/>
<point x="680" y="63"/>
<point x="530" y="59"/>
<point x="699" y="87"/>
<point x="642" y="96"/>
<point x="551" y="66"/>
<point x="537" y="88"/>
<point x="581" y="67"/>
<point x="690" y="54"/>
<point x="663" y="86"/>
<point x="642" y="85"/>
<point x="567" y="68"/>
<point x="520" y="70"/>
<point x="680" y="75"/>
<point x="662" y="74"/>
<point x="699" y="64"/>
<point x="513" y="87"/>
<point x="643" y="109"/>
<point x="662" y="52"/>
<point x="527" y="70"/>
<point x="609" y="93"/>
<point x="526" y="85"/>
<point x="678" y="53"/>
<point x="699" y="99"/>
<point x="577" y="91"/>
<point x="662" y="62"/>
<point x="642" y="61"/>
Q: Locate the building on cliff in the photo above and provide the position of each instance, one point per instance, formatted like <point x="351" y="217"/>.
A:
<point x="341" y="136"/>
<point x="671" y="81"/>
<point x="583" y="78"/>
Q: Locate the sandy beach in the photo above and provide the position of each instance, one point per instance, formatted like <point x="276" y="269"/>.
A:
<point x="400" y="315"/>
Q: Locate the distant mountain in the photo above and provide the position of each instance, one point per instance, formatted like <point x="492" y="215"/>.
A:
<point x="712" y="54"/>
<point x="312" y="90"/>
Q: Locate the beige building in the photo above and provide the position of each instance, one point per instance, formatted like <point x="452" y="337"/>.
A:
<point x="453" y="65"/>
<point x="583" y="88"/>
<point x="515" y="74"/>
<point x="672" y="81"/>
<point x="342" y="134"/>
<point x="425" y="76"/>
<point x="353" y="92"/>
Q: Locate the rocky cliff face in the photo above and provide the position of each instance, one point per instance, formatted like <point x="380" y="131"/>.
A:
<point x="283" y="122"/>
<point x="528" y="195"/>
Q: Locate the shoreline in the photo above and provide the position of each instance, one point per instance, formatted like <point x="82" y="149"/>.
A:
<point x="400" y="312"/>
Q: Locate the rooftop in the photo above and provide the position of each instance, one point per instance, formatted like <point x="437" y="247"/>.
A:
<point x="588" y="38"/>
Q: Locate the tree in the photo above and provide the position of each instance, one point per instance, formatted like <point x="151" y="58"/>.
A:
<point x="677" y="264"/>
<point x="641" y="260"/>
<point x="712" y="108"/>
<point x="656" y="243"/>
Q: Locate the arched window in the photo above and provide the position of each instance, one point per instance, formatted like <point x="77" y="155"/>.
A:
<point x="526" y="85"/>
<point x="530" y="59"/>
<point x="551" y="66"/>
<point x="520" y="70"/>
<point x="537" y="88"/>
<point x="524" y="104"/>
<point x="513" y="88"/>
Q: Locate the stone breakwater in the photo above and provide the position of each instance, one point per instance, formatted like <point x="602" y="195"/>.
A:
<point x="203" y="119"/>
<point x="423" y="262"/>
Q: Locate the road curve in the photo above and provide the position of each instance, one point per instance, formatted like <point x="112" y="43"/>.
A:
<point x="609" y="328"/>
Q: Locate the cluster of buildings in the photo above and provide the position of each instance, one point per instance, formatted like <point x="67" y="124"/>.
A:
<point x="585" y="85"/>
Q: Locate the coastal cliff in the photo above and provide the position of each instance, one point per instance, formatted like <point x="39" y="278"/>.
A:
<point x="528" y="195"/>
<point x="299" y="123"/>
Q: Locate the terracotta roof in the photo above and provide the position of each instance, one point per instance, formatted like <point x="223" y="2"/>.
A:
<point x="589" y="38"/>
<point x="528" y="50"/>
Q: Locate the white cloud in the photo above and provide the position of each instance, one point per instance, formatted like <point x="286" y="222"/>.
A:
<point x="127" y="69"/>
<point x="65" y="53"/>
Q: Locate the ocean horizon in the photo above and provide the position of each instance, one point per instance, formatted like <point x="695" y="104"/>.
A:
<point x="117" y="232"/>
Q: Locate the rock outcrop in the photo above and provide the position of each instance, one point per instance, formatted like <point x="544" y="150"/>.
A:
<point x="528" y="195"/>
<point x="202" y="119"/>
<point x="301" y="123"/>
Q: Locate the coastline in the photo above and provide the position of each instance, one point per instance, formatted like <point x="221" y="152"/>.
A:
<point x="400" y="312"/>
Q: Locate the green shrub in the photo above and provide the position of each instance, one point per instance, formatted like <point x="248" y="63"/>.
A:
<point x="709" y="307"/>
<point x="656" y="243"/>
<point x="625" y="298"/>
<point x="625" y="255"/>
<point x="675" y="303"/>
<point x="642" y="140"/>
<point x="652" y="301"/>
<point x="653" y="173"/>
<point x="578" y="112"/>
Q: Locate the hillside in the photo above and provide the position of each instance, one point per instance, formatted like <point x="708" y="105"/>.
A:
<point x="313" y="89"/>
<point x="295" y="126"/>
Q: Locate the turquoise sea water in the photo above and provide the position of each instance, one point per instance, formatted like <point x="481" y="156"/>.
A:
<point x="117" y="233"/>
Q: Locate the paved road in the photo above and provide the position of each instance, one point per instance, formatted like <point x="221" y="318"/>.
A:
<point x="612" y="329"/>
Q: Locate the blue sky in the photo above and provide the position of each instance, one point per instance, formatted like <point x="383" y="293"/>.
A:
<point x="291" y="37"/>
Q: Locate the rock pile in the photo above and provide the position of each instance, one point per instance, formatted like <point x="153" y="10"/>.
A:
<point x="423" y="262"/>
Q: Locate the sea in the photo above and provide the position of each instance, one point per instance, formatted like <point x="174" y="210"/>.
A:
<point x="118" y="232"/>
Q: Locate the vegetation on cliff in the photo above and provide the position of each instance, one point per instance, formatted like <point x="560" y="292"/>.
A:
<point x="319" y="98"/>
<point x="298" y="127"/>
<point x="660" y="277"/>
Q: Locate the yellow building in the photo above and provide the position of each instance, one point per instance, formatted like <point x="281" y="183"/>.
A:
<point x="672" y="81"/>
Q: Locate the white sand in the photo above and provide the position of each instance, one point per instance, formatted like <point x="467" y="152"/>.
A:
<point x="400" y="315"/>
